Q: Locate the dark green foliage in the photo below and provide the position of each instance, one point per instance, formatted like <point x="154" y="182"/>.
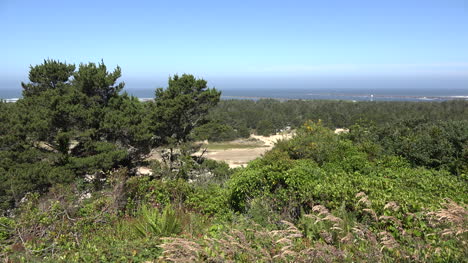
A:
<point x="126" y="124"/>
<point x="92" y="157"/>
<point x="75" y="108"/>
<point x="438" y="145"/>
<point x="181" y="107"/>
<point x="8" y="138"/>
<point x="29" y="177"/>
<point x="268" y="116"/>
<point x="97" y="83"/>
<point x="215" y="132"/>
<point x="219" y="170"/>
<point x="432" y="144"/>
<point x="51" y="115"/>
<point x="176" y="111"/>
<point x="72" y="121"/>
<point x="51" y="74"/>
<point x="265" y="128"/>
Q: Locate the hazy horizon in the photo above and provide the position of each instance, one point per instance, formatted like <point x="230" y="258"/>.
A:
<point x="246" y="45"/>
<point x="447" y="86"/>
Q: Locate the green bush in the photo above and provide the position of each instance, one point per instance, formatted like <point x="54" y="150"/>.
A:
<point x="6" y="229"/>
<point x="211" y="199"/>
<point x="215" y="132"/>
<point x="319" y="167"/>
<point x="145" y="190"/>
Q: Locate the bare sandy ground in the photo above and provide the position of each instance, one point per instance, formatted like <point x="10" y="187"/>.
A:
<point x="236" y="157"/>
<point x="241" y="157"/>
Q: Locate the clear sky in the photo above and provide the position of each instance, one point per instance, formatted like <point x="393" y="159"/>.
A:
<point x="235" y="43"/>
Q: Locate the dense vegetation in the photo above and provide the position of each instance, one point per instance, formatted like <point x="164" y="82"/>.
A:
<point x="76" y="124"/>
<point x="392" y="189"/>
<point x="232" y="118"/>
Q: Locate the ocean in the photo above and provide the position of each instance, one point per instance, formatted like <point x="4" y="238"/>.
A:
<point x="333" y="94"/>
<point x="350" y="94"/>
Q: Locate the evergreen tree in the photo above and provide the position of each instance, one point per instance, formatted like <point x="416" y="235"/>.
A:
<point x="181" y="107"/>
<point x="51" y="74"/>
<point x="176" y="111"/>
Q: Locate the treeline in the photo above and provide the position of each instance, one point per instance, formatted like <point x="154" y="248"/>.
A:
<point x="236" y="118"/>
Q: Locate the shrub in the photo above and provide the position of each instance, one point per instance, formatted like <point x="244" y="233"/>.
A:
<point x="153" y="222"/>
<point x="145" y="190"/>
<point x="308" y="170"/>
<point x="209" y="199"/>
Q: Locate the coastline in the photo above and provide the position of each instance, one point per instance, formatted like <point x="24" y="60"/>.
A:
<point x="284" y="96"/>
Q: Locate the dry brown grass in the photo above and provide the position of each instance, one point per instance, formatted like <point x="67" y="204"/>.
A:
<point x="338" y="240"/>
<point x="180" y="250"/>
<point x="453" y="218"/>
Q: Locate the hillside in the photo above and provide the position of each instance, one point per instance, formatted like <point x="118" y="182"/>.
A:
<point x="390" y="187"/>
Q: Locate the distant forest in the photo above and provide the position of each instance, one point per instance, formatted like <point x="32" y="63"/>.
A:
<point x="236" y="118"/>
<point x="393" y="188"/>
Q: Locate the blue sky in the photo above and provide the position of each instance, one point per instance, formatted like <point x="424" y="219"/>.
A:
<point x="233" y="43"/>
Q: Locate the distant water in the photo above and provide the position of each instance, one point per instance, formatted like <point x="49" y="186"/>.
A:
<point x="311" y="94"/>
<point x="352" y="94"/>
<point x="10" y="93"/>
<point x="336" y="94"/>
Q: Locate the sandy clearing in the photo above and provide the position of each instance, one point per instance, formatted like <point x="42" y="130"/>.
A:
<point x="271" y="140"/>
<point x="236" y="157"/>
